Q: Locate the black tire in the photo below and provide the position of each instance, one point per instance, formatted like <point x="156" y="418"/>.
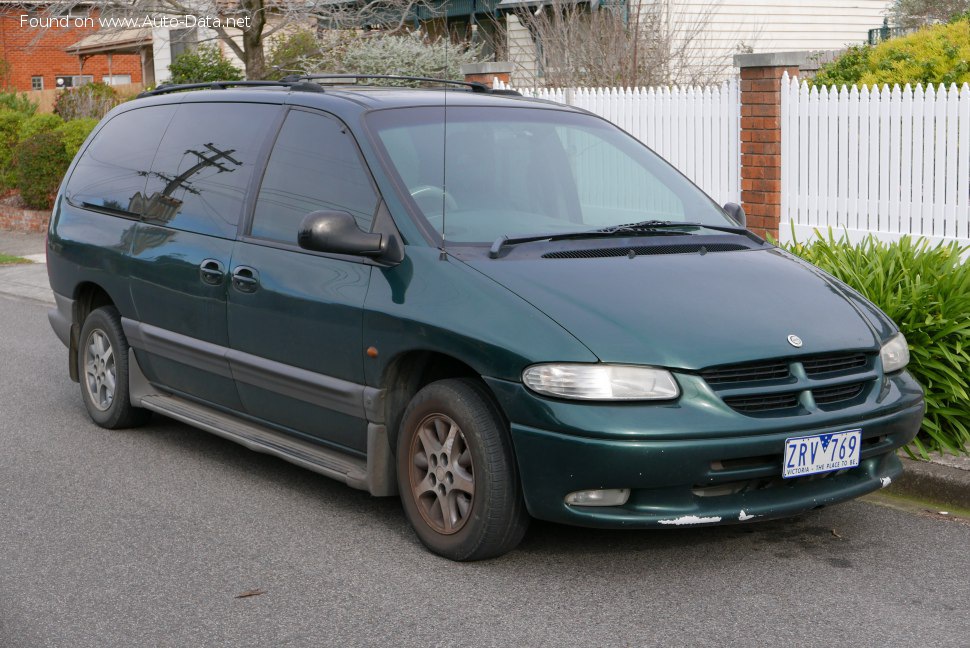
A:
<point x="97" y="369"/>
<point x="492" y="519"/>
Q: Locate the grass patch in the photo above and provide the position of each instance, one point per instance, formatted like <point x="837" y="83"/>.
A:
<point x="7" y="259"/>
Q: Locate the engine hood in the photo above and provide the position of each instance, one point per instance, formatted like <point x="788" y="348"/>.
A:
<point x="690" y="311"/>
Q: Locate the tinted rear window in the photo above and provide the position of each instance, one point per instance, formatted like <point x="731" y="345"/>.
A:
<point x="204" y="164"/>
<point x="113" y="169"/>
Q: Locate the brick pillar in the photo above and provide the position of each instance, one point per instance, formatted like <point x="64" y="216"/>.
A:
<point x="761" y="130"/>
<point x="486" y="72"/>
<point x="761" y="146"/>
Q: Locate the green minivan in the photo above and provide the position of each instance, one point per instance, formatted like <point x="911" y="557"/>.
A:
<point x="497" y="308"/>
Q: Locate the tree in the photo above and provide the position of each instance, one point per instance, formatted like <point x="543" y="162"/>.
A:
<point x="915" y="13"/>
<point x="637" y="43"/>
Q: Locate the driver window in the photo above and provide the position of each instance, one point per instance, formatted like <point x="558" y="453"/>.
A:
<point x="315" y="165"/>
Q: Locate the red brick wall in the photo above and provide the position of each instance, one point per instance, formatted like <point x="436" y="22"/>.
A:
<point x="761" y="146"/>
<point x="20" y="219"/>
<point x="47" y="57"/>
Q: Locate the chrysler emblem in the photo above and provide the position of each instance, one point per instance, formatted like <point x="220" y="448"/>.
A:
<point x="795" y="341"/>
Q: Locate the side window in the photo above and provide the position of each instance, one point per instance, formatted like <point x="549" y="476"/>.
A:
<point x="204" y="164"/>
<point x="113" y="168"/>
<point x="315" y="165"/>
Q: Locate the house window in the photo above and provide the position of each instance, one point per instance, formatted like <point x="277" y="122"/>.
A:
<point x="116" y="79"/>
<point x="180" y="40"/>
<point x="37" y="83"/>
<point x="73" y="81"/>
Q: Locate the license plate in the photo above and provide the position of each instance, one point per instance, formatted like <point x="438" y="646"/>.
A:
<point x="819" y="453"/>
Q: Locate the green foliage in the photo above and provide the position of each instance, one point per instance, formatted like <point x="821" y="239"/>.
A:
<point x="42" y="123"/>
<point x="17" y="103"/>
<point x="203" y="64"/>
<point x="74" y="132"/>
<point x="300" y="51"/>
<point x="937" y="54"/>
<point x="88" y="100"/>
<point x="408" y="54"/>
<point x="926" y="291"/>
<point x="41" y="162"/>
<point x="10" y="123"/>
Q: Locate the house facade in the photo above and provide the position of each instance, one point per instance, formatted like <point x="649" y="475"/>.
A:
<point x="722" y="28"/>
<point x="36" y="51"/>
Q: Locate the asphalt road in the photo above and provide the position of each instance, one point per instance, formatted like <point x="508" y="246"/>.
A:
<point x="145" y="538"/>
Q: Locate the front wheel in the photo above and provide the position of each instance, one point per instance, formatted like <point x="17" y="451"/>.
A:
<point x="456" y="473"/>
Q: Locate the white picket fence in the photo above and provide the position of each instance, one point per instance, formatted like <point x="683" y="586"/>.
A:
<point x="889" y="161"/>
<point x="695" y="129"/>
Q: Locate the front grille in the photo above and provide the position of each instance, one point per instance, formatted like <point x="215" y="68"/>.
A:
<point x="763" y="402"/>
<point x="643" y="250"/>
<point x="773" y="370"/>
<point x="818" y="365"/>
<point x="837" y="394"/>
<point x="751" y="388"/>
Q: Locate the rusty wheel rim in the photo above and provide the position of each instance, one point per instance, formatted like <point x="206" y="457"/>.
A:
<point x="442" y="474"/>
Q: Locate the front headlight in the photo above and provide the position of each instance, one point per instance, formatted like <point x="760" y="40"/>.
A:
<point x="894" y="353"/>
<point x="601" y="382"/>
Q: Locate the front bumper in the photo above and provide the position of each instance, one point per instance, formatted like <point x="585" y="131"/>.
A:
<point x="677" y="480"/>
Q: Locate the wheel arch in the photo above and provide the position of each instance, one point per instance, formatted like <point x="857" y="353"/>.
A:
<point x="409" y="371"/>
<point x="88" y="296"/>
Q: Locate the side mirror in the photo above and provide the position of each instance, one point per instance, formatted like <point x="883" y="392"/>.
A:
<point x="337" y="232"/>
<point x="736" y="212"/>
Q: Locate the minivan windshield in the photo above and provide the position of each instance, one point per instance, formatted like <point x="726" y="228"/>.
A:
<point x="518" y="172"/>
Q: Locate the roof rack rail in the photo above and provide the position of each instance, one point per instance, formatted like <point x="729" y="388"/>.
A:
<point x="167" y="88"/>
<point x="304" y="83"/>
<point x="474" y="86"/>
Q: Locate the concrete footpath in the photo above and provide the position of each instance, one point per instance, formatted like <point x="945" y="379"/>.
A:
<point x="944" y="481"/>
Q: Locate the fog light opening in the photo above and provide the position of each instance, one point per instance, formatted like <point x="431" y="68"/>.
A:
<point x="599" y="497"/>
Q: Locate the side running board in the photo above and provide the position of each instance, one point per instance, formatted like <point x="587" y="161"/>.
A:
<point x="317" y="458"/>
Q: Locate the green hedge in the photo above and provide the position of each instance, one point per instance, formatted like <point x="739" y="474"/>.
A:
<point x="74" y="132"/>
<point x="40" y="162"/>
<point x="939" y="54"/>
<point x="42" y="123"/>
<point x="926" y="290"/>
<point x="10" y="124"/>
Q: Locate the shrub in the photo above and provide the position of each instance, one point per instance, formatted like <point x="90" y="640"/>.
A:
<point x="205" y="63"/>
<point x="88" y="100"/>
<point x="42" y="123"/>
<point x="926" y="291"/>
<point x="74" y="132"/>
<point x="300" y="51"/>
<point x="41" y="162"/>
<point x="937" y="54"/>
<point x="17" y="103"/>
<point x="10" y="123"/>
<point x="408" y="54"/>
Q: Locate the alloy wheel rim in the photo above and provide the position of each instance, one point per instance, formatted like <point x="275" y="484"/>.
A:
<point x="442" y="474"/>
<point x="100" y="372"/>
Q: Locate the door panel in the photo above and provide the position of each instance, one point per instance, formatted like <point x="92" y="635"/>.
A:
<point x="171" y="292"/>
<point x="305" y="318"/>
<point x="297" y="311"/>
<point x="193" y="200"/>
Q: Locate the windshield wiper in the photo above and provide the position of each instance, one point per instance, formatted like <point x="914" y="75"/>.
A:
<point x="648" y="225"/>
<point x="619" y="230"/>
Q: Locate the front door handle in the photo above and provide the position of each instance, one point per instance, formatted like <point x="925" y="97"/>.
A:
<point x="212" y="272"/>
<point x="245" y="279"/>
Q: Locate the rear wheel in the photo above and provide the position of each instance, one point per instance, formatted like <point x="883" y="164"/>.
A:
<point x="456" y="473"/>
<point x="103" y="363"/>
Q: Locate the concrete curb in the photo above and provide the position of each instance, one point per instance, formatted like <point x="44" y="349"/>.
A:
<point x="939" y="483"/>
